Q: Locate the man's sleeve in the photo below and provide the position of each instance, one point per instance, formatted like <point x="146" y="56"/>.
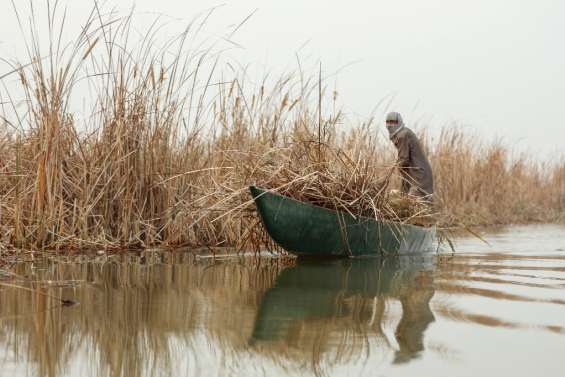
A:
<point x="405" y="183"/>
<point x="403" y="147"/>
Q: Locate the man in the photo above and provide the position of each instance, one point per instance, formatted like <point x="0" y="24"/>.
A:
<point x="415" y="169"/>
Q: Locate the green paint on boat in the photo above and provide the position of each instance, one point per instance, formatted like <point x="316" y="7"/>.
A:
<point x="307" y="230"/>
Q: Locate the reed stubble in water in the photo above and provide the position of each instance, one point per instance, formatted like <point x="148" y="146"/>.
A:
<point x="170" y="146"/>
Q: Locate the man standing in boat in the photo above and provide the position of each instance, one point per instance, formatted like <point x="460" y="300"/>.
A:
<point x="415" y="169"/>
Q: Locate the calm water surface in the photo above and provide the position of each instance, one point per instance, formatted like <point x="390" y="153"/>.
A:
<point x="495" y="309"/>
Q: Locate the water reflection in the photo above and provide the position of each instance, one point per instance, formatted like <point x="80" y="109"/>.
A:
<point x="348" y="292"/>
<point x="146" y="315"/>
<point x="134" y="313"/>
<point x="178" y="314"/>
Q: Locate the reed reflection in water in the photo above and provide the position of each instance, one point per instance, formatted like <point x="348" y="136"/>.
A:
<point x="134" y="315"/>
<point x="165" y="314"/>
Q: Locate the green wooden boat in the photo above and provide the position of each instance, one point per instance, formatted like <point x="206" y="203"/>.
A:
<point x="307" y="230"/>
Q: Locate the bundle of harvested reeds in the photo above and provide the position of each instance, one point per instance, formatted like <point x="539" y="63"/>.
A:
<point x="333" y="180"/>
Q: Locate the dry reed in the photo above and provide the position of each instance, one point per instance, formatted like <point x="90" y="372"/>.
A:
<point x="170" y="146"/>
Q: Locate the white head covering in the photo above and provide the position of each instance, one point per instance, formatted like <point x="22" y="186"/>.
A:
<point x="396" y="123"/>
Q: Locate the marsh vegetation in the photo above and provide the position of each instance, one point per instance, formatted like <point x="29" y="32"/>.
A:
<point x="172" y="136"/>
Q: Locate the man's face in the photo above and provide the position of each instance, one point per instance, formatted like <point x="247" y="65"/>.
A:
<point x="391" y="125"/>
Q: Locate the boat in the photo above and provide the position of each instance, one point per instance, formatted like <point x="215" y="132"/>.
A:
<point x="304" y="229"/>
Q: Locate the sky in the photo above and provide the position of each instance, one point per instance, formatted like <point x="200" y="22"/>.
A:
<point x="494" y="67"/>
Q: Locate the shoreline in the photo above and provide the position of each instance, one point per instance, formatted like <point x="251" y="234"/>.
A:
<point x="11" y="255"/>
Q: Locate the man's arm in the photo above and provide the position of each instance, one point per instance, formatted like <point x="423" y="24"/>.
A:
<point x="403" y="146"/>
<point x="405" y="184"/>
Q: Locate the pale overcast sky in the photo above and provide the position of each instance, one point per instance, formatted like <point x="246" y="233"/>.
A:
<point x="496" y="66"/>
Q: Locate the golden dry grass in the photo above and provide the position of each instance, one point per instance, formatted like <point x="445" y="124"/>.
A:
<point x="170" y="146"/>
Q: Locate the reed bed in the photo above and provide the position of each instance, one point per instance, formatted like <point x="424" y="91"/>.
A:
<point x="169" y="147"/>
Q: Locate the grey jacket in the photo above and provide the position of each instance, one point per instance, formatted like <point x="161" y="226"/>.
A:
<point x="415" y="168"/>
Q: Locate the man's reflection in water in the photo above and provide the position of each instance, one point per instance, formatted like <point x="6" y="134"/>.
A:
<point x="416" y="316"/>
<point x="314" y="294"/>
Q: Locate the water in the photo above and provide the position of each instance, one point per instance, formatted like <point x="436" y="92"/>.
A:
<point x="495" y="309"/>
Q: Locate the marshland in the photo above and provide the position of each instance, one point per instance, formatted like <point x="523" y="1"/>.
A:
<point x="130" y="244"/>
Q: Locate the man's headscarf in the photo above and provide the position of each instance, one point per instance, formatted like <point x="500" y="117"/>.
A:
<point x="394" y="123"/>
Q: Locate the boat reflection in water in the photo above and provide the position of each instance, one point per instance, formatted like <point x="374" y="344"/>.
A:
<point x="179" y="314"/>
<point x="354" y="298"/>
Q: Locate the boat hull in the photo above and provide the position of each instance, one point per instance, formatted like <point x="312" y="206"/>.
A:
<point x="307" y="230"/>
